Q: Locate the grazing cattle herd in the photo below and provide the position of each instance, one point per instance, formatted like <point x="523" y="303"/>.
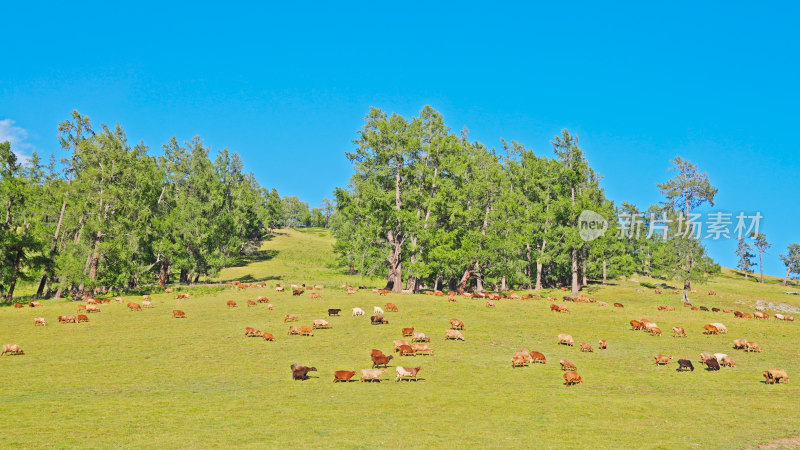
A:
<point x="419" y="343"/>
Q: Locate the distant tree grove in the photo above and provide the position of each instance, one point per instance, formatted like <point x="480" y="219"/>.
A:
<point x="430" y="208"/>
<point x="111" y="215"/>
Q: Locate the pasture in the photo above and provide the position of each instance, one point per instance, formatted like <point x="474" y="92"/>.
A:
<point x="144" y="379"/>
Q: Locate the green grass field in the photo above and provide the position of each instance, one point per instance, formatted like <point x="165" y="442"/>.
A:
<point x="143" y="379"/>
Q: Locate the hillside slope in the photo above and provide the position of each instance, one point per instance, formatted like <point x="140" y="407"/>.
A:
<point x="145" y="379"/>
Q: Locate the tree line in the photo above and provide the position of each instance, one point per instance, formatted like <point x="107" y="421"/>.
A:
<point x="431" y="208"/>
<point x="112" y="215"/>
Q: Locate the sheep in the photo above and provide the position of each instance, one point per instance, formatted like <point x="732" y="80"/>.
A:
<point x="407" y="373"/>
<point x="566" y="340"/>
<point x="12" y="349"/>
<point x="377" y="310"/>
<point x="420" y="337"/>
<point x="147" y="304"/>
<point x="358" y="312"/>
<point x="372" y="374"/>
<point x="454" y="335"/>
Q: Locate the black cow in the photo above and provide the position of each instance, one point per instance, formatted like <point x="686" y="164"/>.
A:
<point x="334" y="312"/>
<point x="703" y="308"/>
<point x="712" y="364"/>
<point x="684" y="364"/>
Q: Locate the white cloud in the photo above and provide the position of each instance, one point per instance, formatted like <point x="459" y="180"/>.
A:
<point x="17" y="136"/>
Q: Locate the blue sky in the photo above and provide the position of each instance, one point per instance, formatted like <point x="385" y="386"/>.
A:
<point x="288" y="86"/>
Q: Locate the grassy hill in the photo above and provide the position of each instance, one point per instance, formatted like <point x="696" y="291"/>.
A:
<point x="144" y="379"/>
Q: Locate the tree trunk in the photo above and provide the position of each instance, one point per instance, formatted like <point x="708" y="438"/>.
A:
<point x="15" y="269"/>
<point x="575" y="287"/>
<point x="395" y="262"/>
<point x="761" y="265"/>
<point x="786" y="278"/>
<point x="352" y="270"/>
<point x="538" y="276"/>
<point x="585" y="280"/>
<point x="462" y="285"/>
<point x="196" y="278"/>
<point x="184" y="277"/>
<point x="163" y="276"/>
<point x="503" y="286"/>
<point x="604" y="271"/>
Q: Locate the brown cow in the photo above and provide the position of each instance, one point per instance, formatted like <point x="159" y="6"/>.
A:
<point x="712" y="293"/>
<point x="252" y="332"/>
<point x="134" y="306"/>
<point x="34" y="304"/>
<point x="381" y="360"/>
<point x="655" y="331"/>
<point x="262" y="300"/>
<point x="585" y="347"/>
<point x="538" y="357"/>
<point x="293" y="330"/>
<point x="82" y="318"/>
<point x="456" y="324"/>
<point x="571" y="378"/>
<point x="711" y="329"/>
<point x="18" y="305"/>
<point x="635" y="325"/>
<point x="406" y="350"/>
<point x="375" y="352"/>
<point x="490" y="304"/>
<point x="289" y="318"/>
<point x="408" y="332"/>
<point x="752" y="347"/>
<point x="315" y="296"/>
<point x="251" y="303"/>
<point x="567" y="365"/>
<point x="391" y="307"/>
<point x="343" y="376"/>
<point x="182" y="296"/>
<point x="603" y="344"/>
<point x="618" y="305"/>
<point x="297" y="292"/>
<point x="178" y="314"/>
<point x="518" y="361"/>
<point x="398" y="343"/>
<point x="39" y="321"/>
<point x="422" y="348"/>
<point x="231" y="304"/>
<point x="739" y="343"/>
<point x="306" y="330"/>
<point x="383" y="292"/>
<point x="663" y="359"/>
<point x="267" y="336"/>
